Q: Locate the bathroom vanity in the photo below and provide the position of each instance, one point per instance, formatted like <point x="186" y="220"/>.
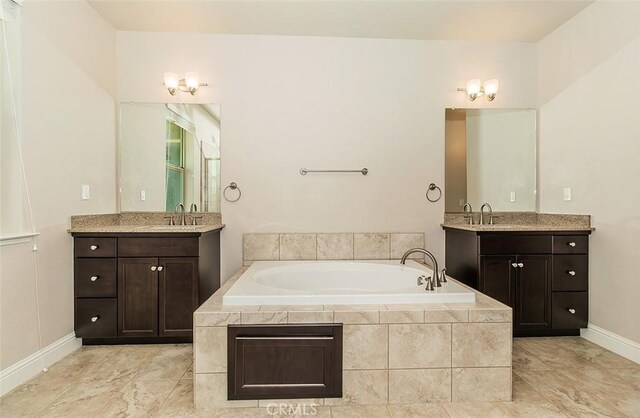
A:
<point x="540" y="271"/>
<point x="141" y="284"/>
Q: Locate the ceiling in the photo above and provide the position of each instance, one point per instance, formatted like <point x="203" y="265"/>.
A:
<point x="450" y="20"/>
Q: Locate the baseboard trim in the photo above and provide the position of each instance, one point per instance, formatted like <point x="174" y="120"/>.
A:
<point x="20" y="372"/>
<point x="614" y="342"/>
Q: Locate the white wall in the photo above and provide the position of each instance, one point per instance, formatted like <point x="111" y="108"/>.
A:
<point x="293" y="102"/>
<point x="68" y="127"/>
<point x="589" y="140"/>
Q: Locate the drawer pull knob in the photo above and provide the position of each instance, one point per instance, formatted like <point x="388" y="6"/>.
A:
<point x="571" y="244"/>
<point x="571" y="273"/>
<point x="514" y="264"/>
<point x="94" y="318"/>
<point x="572" y="311"/>
<point x="94" y="278"/>
<point x="94" y="247"/>
<point x="160" y="268"/>
<point x="153" y="268"/>
<point x="520" y="265"/>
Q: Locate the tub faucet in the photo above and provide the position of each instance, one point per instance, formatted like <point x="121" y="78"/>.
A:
<point x="180" y="209"/>
<point x="482" y="214"/>
<point x="439" y="278"/>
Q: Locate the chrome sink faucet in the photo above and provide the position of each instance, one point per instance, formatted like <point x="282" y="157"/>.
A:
<point x="439" y="277"/>
<point x="482" y="214"/>
<point x="180" y="210"/>
<point x="464" y="210"/>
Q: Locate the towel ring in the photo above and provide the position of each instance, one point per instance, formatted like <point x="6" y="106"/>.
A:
<point x="432" y="186"/>
<point x="232" y="186"/>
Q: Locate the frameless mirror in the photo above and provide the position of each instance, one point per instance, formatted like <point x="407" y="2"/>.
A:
<point x="490" y="157"/>
<point x="169" y="154"/>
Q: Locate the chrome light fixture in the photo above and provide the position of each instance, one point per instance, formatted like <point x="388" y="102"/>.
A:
<point x="475" y="88"/>
<point x="190" y="83"/>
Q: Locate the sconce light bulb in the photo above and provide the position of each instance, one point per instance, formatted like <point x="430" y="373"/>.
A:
<point x="171" y="82"/>
<point x="474" y="89"/>
<point x="192" y="83"/>
<point x="491" y="88"/>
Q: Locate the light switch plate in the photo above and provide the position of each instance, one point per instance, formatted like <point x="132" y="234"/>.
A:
<point x="512" y="197"/>
<point x="567" y="194"/>
<point x="85" y="192"/>
<point x="143" y="195"/>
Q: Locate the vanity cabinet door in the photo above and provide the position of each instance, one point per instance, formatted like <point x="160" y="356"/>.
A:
<point x="137" y="297"/>
<point x="533" y="293"/>
<point x="497" y="277"/>
<point x="178" y="295"/>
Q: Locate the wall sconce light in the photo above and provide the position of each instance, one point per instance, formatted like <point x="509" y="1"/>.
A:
<point x="190" y="83"/>
<point x="475" y="89"/>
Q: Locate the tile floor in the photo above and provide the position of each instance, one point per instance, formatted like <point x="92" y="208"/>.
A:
<point x="553" y="377"/>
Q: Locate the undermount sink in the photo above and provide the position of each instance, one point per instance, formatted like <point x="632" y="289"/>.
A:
<point x="164" y="228"/>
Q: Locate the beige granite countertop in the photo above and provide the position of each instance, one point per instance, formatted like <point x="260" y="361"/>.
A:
<point x="484" y="309"/>
<point x="161" y="229"/>
<point x="520" y="221"/>
<point x="144" y="222"/>
<point x="516" y="228"/>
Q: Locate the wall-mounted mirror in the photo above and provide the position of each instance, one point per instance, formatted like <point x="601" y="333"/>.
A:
<point x="169" y="154"/>
<point x="490" y="156"/>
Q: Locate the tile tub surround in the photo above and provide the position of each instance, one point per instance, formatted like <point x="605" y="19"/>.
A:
<point x="329" y="246"/>
<point x="393" y="354"/>
<point x="521" y="221"/>
<point x="140" y="222"/>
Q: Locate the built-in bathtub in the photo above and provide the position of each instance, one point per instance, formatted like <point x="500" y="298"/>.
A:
<point x="340" y="282"/>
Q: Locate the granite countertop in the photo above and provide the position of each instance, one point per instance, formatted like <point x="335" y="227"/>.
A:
<point x="517" y="228"/>
<point x="159" y="229"/>
<point x="144" y="223"/>
<point x="484" y="309"/>
<point x="520" y="222"/>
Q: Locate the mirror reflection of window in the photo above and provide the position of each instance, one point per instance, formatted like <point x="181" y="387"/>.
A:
<point x="169" y="154"/>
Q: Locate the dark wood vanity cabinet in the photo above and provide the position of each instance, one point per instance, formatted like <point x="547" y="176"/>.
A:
<point x="133" y="288"/>
<point x="542" y="276"/>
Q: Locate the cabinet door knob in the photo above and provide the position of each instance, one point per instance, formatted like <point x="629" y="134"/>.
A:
<point x="571" y="244"/>
<point x="94" y="318"/>
<point x="572" y="311"/>
<point x="94" y="247"/>
<point x="520" y="265"/>
<point x="94" y="278"/>
<point x="571" y="273"/>
<point x="153" y="268"/>
<point x="514" y="264"/>
<point x="160" y="268"/>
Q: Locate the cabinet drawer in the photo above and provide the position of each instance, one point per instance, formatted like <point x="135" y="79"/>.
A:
<point x="95" y="277"/>
<point x="569" y="310"/>
<point x="158" y="247"/>
<point x="96" y="318"/>
<point x="515" y="244"/>
<point x="570" y="244"/>
<point x="284" y="361"/>
<point x="570" y="273"/>
<point x="95" y="247"/>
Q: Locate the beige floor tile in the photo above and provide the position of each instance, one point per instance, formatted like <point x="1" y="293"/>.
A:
<point x="170" y="363"/>
<point x="140" y="398"/>
<point x="189" y="373"/>
<point x="474" y="409"/>
<point x="417" y="411"/>
<point x="522" y="359"/>
<point x="528" y="403"/>
<point x="83" y="400"/>
<point x="572" y="400"/>
<point x="179" y="404"/>
<point x="30" y="398"/>
<point x="360" y="411"/>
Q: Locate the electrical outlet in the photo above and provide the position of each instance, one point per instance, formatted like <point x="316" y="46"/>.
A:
<point x="567" y="194"/>
<point x="512" y="197"/>
<point x="85" y="192"/>
<point x="143" y="195"/>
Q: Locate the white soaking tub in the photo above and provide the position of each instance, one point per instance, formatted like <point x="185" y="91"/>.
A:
<point x="339" y="282"/>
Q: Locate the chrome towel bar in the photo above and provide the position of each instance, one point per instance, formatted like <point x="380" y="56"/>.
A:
<point x="304" y="171"/>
